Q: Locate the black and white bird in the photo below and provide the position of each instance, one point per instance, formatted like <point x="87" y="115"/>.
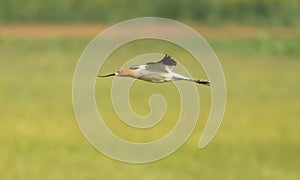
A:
<point x="156" y="72"/>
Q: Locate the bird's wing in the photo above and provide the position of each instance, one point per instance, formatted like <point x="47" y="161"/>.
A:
<point x="135" y="67"/>
<point x="165" y="65"/>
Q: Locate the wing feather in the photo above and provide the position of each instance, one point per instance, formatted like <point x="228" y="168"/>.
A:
<point x="164" y="65"/>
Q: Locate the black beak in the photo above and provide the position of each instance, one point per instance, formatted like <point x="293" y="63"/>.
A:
<point x="113" y="74"/>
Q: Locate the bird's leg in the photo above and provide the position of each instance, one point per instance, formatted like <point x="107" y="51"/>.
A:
<point x="203" y="82"/>
<point x="176" y="76"/>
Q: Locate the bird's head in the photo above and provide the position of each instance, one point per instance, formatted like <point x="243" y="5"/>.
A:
<point x="122" y="72"/>
<point x="119" y="72"/>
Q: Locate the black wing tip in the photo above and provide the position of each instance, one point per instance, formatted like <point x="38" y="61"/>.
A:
<point x="168" y="56"/>
<point x="168" y="60"/>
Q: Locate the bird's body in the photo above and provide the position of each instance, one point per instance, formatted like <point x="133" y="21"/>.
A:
<point x="156" y="72"/>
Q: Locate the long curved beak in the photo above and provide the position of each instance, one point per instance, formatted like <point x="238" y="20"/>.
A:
<point x="104" y="76"/>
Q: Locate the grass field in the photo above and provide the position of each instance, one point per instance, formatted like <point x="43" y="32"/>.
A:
<point x="258" y="138"/>
<point x="216" y="12"/>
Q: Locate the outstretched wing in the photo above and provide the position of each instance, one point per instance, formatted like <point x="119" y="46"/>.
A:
<point x="165" y="65"/>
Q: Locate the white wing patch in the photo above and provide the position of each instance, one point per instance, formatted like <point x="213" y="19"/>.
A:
<point x="165" y="65"/>
<point x="135" y="67"/>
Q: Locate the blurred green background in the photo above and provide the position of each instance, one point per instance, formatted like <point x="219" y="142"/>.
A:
<point x="257" y="43"/>
<point x="270" y="12"/>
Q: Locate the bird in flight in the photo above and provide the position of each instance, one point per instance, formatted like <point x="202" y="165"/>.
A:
<point x="156" y="72"/>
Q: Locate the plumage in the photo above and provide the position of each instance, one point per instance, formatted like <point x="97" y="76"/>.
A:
<point x="160" y="71"/>
<point x="166" y="64"/>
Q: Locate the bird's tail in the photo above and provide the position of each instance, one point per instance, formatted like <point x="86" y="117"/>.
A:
<point x="204" y="82"/>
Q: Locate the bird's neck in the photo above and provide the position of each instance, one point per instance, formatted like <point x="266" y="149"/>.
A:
<point x="130" y="73"/>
